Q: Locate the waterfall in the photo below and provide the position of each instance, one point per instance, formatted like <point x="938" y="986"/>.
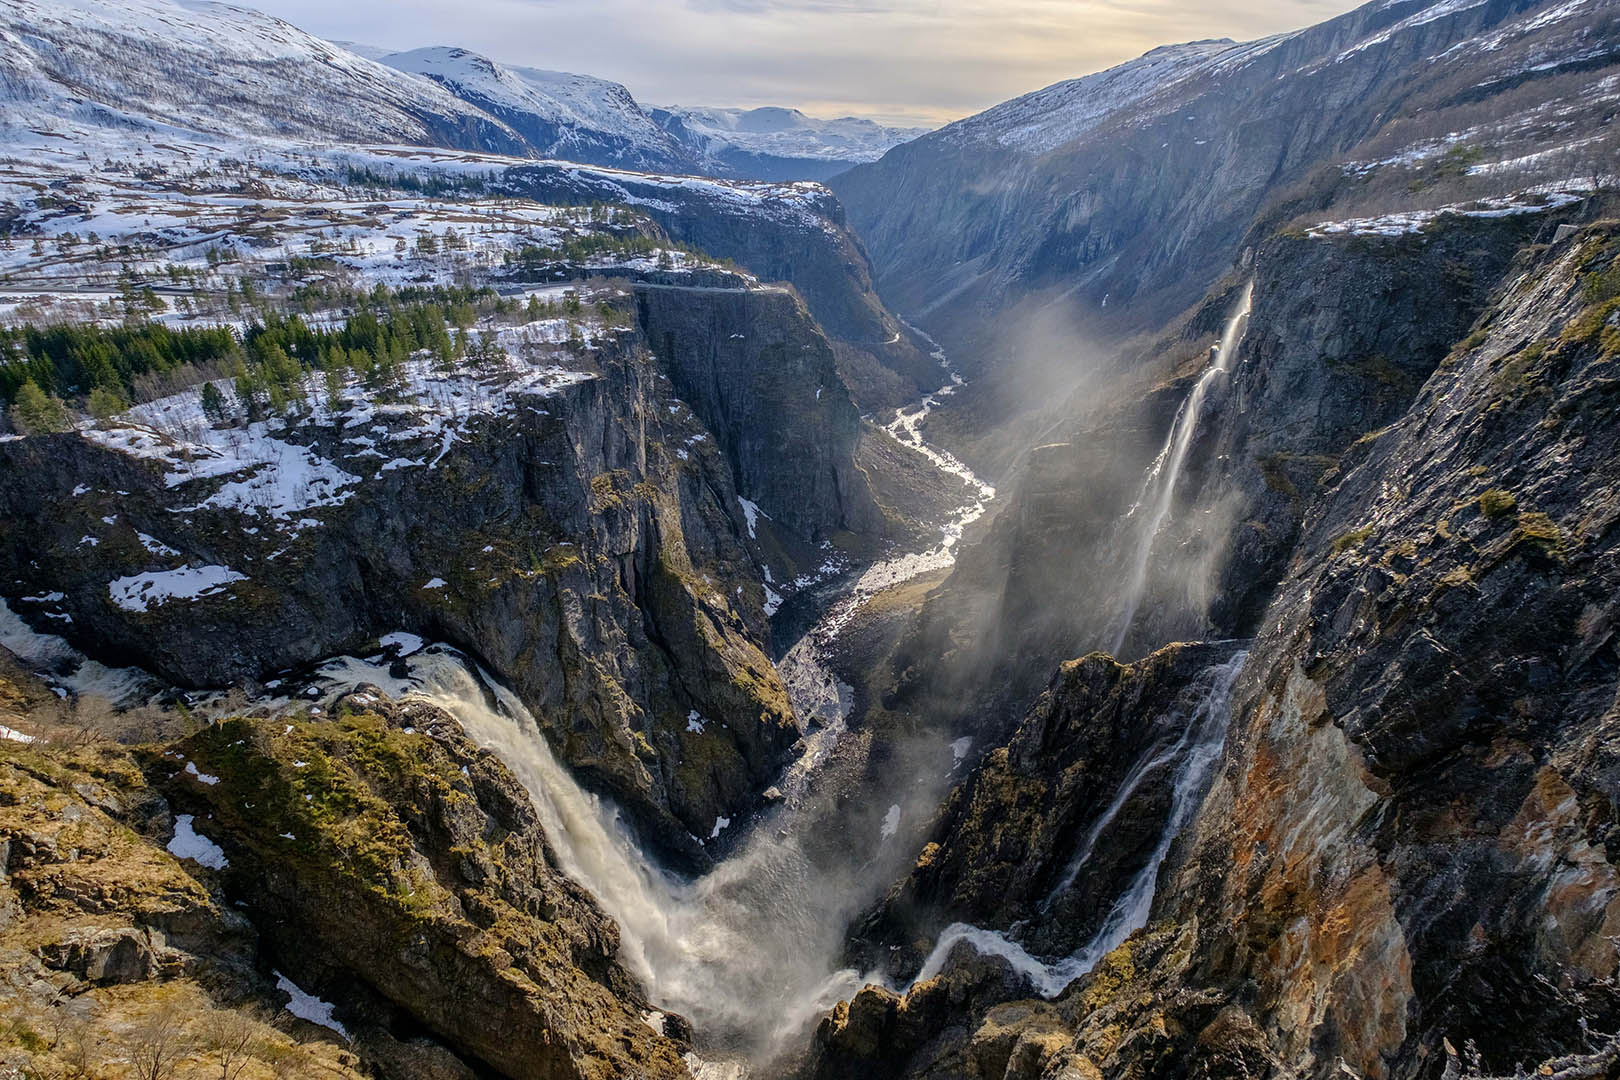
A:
<point x="1159" y="490"/>
<point x="744" y="952"/>
<point x="1196" y="752"/>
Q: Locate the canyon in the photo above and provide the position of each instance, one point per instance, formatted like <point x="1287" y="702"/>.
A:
<point x="1120" y="586"/>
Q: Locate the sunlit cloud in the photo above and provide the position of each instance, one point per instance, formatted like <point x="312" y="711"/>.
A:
<point x="912" y="61"/>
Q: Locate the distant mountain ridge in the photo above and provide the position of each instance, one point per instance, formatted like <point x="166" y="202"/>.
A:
<point x="1130" y="190"/>
<point x="70" y="66"/>
<point x="583" y="118"/>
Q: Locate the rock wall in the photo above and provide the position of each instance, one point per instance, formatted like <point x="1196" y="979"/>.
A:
<point x="1405" y="867"/>
<point x="764" y="380"/>
<point x="587" y="547"/>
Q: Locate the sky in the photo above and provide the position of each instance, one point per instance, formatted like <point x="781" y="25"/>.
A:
<point x="920" y="62"/>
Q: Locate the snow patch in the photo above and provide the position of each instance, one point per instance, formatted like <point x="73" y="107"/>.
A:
<point x="139" y="592"/>
<point x="308" y="1006"/>
<point x="190" y="844"/>
<point x="202" y="777"/>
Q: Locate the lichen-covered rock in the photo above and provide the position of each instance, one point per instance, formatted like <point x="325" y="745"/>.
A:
<point x="381" y="849"/>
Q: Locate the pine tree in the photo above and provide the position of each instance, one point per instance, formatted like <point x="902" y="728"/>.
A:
<point x="35" y="412"/>
<point x="105" y="403"/>
<point x="213" y="403"/>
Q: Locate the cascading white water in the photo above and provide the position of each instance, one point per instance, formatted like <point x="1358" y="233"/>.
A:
<point x="1159" y="490"/>
<point x="744" y="952"/>
<point x="747" y="952"/>
<point x="1203" y="735"/>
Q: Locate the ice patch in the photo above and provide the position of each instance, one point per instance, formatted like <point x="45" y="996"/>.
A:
<point x="694" y="722"/>
<point x="719" y="824"/>
<point x="14" y="735"/>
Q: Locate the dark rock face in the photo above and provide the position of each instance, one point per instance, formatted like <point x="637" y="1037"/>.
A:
<point x="1086" y="776"/>
<point x="1439" y="657"/>
<point x="1409" y="845"/>
<point x="570" y="541"/>
<point x="764" y="380"/>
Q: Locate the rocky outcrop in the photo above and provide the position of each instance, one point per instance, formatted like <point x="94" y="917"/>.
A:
<point x="1405" y="867"/>
<point x="759" y="374"/>
<point x="110" y="945"/>
<point x="586" y="545"/>
<point x="380" y="847"/>
<point x="376" y="860"/>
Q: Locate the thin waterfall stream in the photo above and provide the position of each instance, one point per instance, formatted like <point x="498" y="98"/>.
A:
<point x="1203" y="733"/>
<point x="1159" y="489"/>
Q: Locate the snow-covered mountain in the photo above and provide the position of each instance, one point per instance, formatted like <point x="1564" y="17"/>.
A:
<point x="68" y="67"/>
<point x="774" y="138"/>
<point x="1126" y="191"/>
<point x="71" y="65"/>
<point x="583" y="118"/>
<point x="560" y="115"/>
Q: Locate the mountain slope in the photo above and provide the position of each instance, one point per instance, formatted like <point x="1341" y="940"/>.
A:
<point x="573" y="117"/>
<point x="1128" y="192"/>
<point x="158" y="64"/>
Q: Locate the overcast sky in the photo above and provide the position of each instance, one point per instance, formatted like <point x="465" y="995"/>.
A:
<point x="918" y="61"/>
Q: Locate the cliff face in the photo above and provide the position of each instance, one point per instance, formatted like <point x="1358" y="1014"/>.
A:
<point x="1407" y="851"/>
<point x="1343" y="333"/>
<point x="585" y="542"/>
<point x="761" y="377"/>
<point x="183" y="895"/>
<point x="1094" y="759"/>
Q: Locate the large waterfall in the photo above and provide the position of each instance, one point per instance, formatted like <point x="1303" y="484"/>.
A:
<point x="744" y="952"/>
<point x="1159" y="490"/>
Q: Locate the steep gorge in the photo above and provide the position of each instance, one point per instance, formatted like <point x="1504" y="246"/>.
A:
<point x="638" y="706"/>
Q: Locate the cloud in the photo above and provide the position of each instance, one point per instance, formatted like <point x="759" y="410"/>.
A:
<point x="926" y="61"/>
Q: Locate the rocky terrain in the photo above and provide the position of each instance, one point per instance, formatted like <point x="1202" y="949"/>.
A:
<point x="186" y="902"/>
<point x="467" y="615"/>
<point x="1405" y="840"/>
